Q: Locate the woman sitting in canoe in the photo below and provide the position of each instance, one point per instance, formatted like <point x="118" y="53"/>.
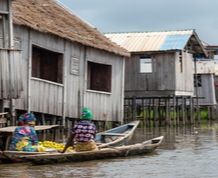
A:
<point x="83" y="134"/>
<point x="25" y="137"/>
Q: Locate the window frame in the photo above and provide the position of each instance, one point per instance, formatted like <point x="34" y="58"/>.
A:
<point x="197" y="83"/>
<point x="95" y="77"/>
<point x="38" y="68"/>
<point x="145" y="61"/>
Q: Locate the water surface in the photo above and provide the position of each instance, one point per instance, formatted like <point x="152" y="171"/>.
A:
<point x="185" y="153"/>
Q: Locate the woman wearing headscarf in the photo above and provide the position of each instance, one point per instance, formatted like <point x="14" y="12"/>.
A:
<point x="25" y="137"/>
<point x="83" y="133"/>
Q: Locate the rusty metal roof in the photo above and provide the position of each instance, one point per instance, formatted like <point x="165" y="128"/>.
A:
<point x="152" y="41"/>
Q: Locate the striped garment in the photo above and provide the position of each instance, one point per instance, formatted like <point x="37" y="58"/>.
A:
<point x="84" y="131"/>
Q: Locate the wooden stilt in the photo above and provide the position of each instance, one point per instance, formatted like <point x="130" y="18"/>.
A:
<point x="167" y="112"/>
<point x="183" y="111"/>
<point x="43" y="123"/>
<point x="143" y="112"/>
<point x="177" y="111"/>
<point x="159" y="112"/>
<point x="191" y="110"/>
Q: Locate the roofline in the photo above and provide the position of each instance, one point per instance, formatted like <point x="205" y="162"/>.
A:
<point x="193" y="33"/>
<point x="108" y="33"/>
<point x="199" y="41"/>
<point x="212" y="46"/>
<point x="71" y="12"/>
<point x="157" y="51"/>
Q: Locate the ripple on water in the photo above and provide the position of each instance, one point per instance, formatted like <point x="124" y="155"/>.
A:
<point x="182" y="155"/>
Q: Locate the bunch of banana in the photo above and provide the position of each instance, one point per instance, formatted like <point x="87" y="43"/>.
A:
<point x="54" y="145"/>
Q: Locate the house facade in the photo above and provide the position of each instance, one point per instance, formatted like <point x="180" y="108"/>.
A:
<point x="162" y="63"/>
<point x="204" y="82"/>
<point x="10" y="77"/>
<point x="66" y="63"/>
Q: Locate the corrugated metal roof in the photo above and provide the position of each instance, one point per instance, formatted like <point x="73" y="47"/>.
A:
<point x="152" y="41"/>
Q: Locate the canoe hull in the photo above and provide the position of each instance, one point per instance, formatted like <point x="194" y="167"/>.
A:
<point x="122" y="151"/>
<point x="119" y="135"/>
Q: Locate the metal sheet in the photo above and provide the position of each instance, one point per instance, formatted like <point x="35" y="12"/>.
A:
<point x="175" y="42"/>
<point x="151" y="41"/>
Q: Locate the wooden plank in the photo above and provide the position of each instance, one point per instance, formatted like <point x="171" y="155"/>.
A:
<point x="4" y="12"/>
<point x="3" y="113"/>
<point x="3" y="120"/>
<point x="38" y="127"/>
<point x="113" y="134"/>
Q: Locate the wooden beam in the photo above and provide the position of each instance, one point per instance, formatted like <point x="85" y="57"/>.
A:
<point x="4" y="12"/>
<point x="113" y="134"/>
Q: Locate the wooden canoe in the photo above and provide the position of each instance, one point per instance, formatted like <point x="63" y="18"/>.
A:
<point x="116" y="136"/>
<point x="104" y="153"/>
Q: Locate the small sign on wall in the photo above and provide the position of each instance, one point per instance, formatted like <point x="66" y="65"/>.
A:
<point x="74" y="66"/>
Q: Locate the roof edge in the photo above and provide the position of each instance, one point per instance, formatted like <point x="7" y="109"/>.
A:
<point x="200" y="43"/>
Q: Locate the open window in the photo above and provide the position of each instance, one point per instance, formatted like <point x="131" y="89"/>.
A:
<point x="145" y="64"/>
<point x="47" y="65"/>
<point x="99" y="77"/>
<point x="197" y="80"/>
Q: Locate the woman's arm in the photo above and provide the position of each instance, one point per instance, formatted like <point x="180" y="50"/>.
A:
<point x="34" y="137"/>
<point x="69" y="143"/>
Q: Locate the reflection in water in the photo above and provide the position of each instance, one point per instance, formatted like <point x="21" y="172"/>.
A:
<point x="186" y="152"/>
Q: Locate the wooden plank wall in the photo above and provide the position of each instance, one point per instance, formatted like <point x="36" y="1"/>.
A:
<point x="74" y="57"/>
<point x="160" y="82"/>
<point x="216" y="87"/>
<point x="22" y="35"/>
<point x="107" y="106"/>
<point x="184" y="79"/>
<point x="3" y="5"/>
<point x="207" y="90"/>
<point x="163" y="77"/>
<point x="47" y="97"/>
<point x="166" y="77"/>
<point x="10" y="74"/>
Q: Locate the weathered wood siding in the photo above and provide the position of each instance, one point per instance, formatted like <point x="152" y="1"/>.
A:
<point x="10" y="59"/>
<point x="184" y="76"/>
<point x="39" y="95"/>
<point x="160" y="82"/>
<point x="68" y="98"/>
<point x="10" y="74"/>
<point x="106" y="106"/>
<point x="207" y="90"/>
<point x="46" y="97"/>
<point x="3" y="5"/>
<point x="216" y="87"/>
<point x="22" y="36"/>
<point x="166" y="77"/>
<point x="74" y="63"/>
<point x="163" y="77"/>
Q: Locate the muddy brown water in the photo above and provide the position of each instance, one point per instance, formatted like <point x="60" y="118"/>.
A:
<point x="185" y="153"/>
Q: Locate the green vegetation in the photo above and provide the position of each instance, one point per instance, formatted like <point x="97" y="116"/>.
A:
<point x="151" y="114"/>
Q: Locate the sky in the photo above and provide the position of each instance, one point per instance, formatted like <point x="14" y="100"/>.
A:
<point x="150" y="15"/>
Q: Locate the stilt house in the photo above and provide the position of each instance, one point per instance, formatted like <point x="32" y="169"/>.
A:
<point x="161" y="64"/>
<point x="66" y="63"/>
<point x="205" y="82"/>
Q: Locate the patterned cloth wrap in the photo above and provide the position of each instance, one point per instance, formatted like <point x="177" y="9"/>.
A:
<point x="84" y="135"/>
<point x="25" y="137"/>
<point x="86" y="146"/>
<point x="27" y="118"/>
